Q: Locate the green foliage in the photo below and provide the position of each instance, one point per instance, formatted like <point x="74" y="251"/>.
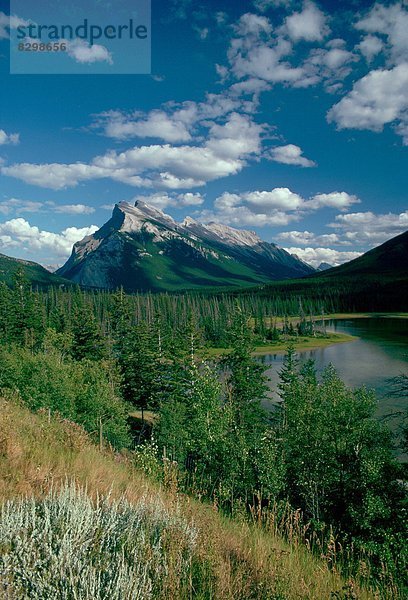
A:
<point x="338" y="456"/>
<point x="85" y="392"/>
<point x="87" y="338"/>
<point x="339" y="463"/>
<point x="88" y="355"/>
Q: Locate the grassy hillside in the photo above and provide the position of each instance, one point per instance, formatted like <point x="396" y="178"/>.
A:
<point x="201" y="554"/>
<point x="35" y="273"/>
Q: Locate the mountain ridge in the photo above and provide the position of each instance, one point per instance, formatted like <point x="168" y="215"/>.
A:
<point x="143" y="249"/>
<point x="35" y="273"/>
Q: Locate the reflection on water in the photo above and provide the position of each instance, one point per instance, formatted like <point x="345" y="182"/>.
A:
<point x="380" y="353"/>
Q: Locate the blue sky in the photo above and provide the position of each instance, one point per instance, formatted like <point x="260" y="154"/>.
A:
<point x="285" y="117"/>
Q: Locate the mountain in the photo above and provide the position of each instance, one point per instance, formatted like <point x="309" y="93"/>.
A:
<point x="141" y="248"/>
<point x="375" y="281"/>
<point x="35" y="273"/>
<point x="324" y="266"/>
<point x="388" y="260"/>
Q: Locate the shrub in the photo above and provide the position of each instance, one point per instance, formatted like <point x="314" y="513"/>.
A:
<point x="66" y="546"/>
<point x="84" y="392"/>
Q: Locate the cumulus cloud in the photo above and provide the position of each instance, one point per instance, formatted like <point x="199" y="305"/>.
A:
<point x="259" y="51"/>
<point x="362" y="230"/>
<point x="339" y="200"/>
<point x="156" y="124"/>
<point x="276" y="207"/>
<point x="278" y="198"/>
<point x="173" y="122"/>
<point x="290" y="155"/>
<point x="379" y="98"/>
<point x="370" y="46"/>
<point x="224" y="152"/>
<point x="368" y="228"/>
<point x="305" y="238"/>
<point x="9" y="138"/>
<point x="85" y="53"/>
<point x="390" y="21"/>
<point x="18" y="233"/>
<point x="309" y="25"/>
<point x="315" y="256"/>
<point x="258" y="54"/>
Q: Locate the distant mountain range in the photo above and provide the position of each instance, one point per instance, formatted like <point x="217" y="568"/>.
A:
<point x="324" y="266"/>
<point x="142" y="249"/>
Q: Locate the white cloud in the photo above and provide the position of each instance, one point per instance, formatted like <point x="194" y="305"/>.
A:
<point x="254" y="208"/>
<point x="9" y="138"/>
<point x="276" y="207"/>
<point x="339" y="200"/>
<point x="156" y="124"/>
<point x="202" y="32"/>
<point x="370" y="46"/>
<point x="53" y="175"/>
<point x="173" y="122"/>
<point x="85" y="53"/>
<point x="368" y="228"/>
<point x="18" y="233"/>
<point x="378" y="98"/>
<point x="278" y="198"/>
<point x="305" y="238"/>
<point x="258" y="55"/>
<point x="252" y="25"/>
<point x="19" y="206"/>
<point x="260" y="51"/>
<point x="362" y="230"/>
<point x="290" y="155"/>
<point x="225" y="152"/>
<point x="10" y="22"/>
<point x="221" y="17"/>
<point x="74" y="209"/>
<point x="315" y="256"/>
<point x="309" y="25"/>
<point x="390" y="21"/>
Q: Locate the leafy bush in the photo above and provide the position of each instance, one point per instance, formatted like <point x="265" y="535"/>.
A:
<point x="66" y="546"/>
<point x="84" y="392"/>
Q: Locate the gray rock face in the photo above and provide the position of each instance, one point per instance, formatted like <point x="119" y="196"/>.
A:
<point x="141" y="248"/>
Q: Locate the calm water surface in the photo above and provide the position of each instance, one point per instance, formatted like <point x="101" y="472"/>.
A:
<point x="379" y="354"/>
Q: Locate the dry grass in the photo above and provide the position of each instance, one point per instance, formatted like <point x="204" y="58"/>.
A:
<point x="232" y="559"/>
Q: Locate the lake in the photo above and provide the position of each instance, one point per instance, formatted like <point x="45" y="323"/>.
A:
<point x="379" y="354"/>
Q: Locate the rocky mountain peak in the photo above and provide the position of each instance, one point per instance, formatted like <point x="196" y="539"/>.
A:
<point x="143" y="248"/>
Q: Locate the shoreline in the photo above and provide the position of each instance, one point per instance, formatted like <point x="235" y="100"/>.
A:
<point x="299" y="344"/>
<point x="328" y="317"/>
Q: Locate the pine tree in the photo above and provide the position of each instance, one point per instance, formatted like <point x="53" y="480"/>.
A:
<point x="88" y="341"/>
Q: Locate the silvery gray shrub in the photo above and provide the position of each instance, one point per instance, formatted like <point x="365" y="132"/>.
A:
<point x="68" y="547"/>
